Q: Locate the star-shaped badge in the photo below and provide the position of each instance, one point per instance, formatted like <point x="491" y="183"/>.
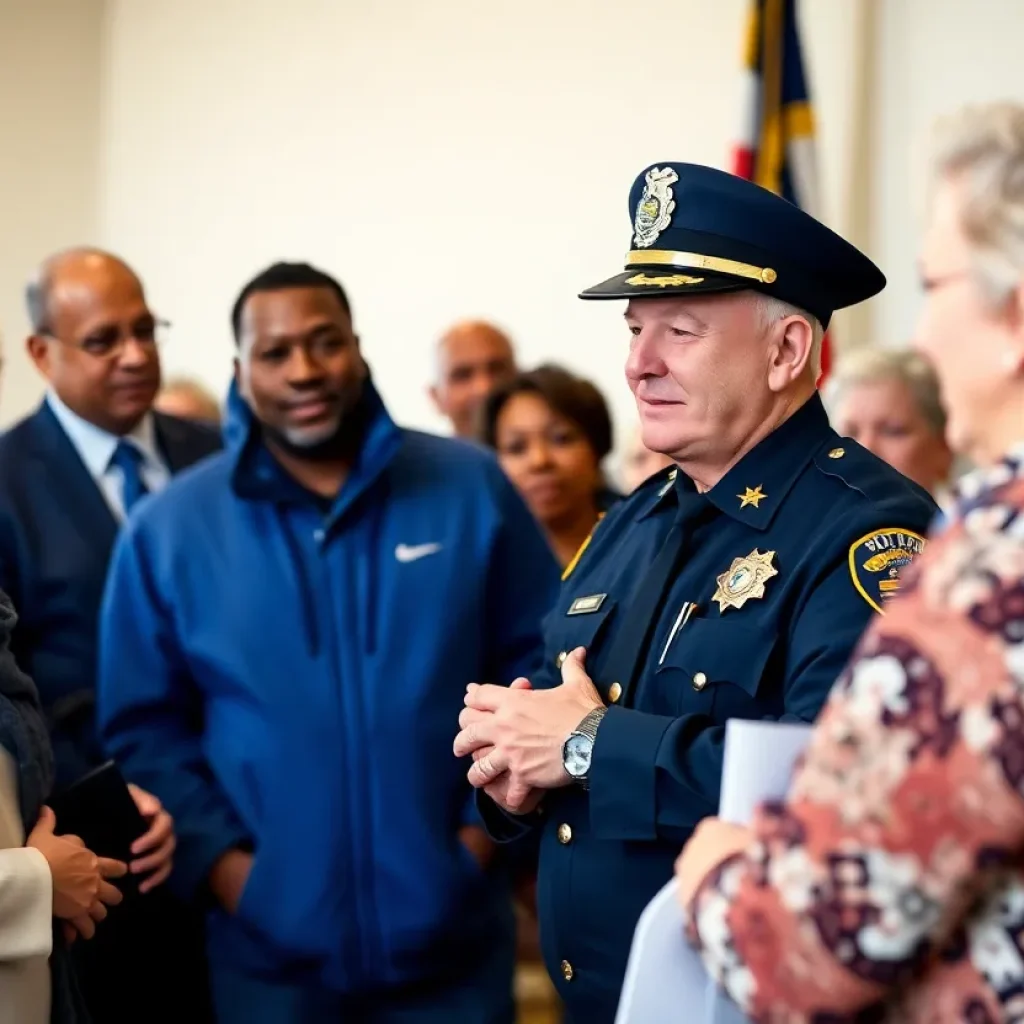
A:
<point x="751" y="496"/>
<point x="745" y="579"/>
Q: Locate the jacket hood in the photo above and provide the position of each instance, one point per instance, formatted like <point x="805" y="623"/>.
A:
<point x="256" y="474"/>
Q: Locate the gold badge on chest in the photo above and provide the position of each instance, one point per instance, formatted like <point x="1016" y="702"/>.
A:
<point x="745" y="580"/>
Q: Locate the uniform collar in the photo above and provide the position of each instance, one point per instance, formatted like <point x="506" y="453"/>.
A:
<point x="96" y="446"/>
<point x="754" y="489"/>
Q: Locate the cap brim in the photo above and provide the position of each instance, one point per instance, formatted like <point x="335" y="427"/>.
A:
<point x="656" y="283"/>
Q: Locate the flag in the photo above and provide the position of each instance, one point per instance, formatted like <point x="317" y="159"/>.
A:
<point x="776" y="147"/>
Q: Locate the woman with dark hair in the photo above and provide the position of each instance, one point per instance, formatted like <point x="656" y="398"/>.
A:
<point x="551" y="430"/>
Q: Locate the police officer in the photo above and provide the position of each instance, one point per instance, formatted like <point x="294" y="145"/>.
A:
<point x="732" y="585"/>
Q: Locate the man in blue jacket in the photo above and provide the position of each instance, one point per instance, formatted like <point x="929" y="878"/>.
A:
<point x="287" y="635"/>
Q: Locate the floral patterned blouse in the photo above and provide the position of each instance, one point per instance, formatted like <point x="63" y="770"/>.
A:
<point x="889" y="886"/>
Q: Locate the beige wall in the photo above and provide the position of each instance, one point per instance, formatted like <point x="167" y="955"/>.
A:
<point x="935" y="55"/>
<point x="444" y="159"/>
<point x="49" y="149"/>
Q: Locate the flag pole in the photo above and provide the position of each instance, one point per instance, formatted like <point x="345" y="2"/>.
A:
<point x="857" y="325"/>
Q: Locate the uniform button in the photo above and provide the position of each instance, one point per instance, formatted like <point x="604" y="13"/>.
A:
<point x="614" y="693"/>
<point x="318" y="536"/>
<point x="700" y="681"/>
<point x="562" y="655"/>
<point x="837" y="453"/>
<point x="565" y="834"/>
<point x="567" y="971"/>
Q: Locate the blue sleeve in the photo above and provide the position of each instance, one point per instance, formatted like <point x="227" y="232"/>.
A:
<point x="656" y="777"/>
<point x="148" y="714"/>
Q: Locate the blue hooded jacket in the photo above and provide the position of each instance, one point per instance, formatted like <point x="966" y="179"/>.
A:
<point x="290" y="681"/>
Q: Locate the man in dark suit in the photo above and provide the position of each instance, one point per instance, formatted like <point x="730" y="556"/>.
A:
<point x="69" y="474"/>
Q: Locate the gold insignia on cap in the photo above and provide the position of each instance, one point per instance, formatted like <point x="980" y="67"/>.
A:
<point x="745" y="580"/>
<point x="700" y="261"/>
<point x="665" y="281"/>
<point x="751" y="496"/>
<point x="654" y="211"/>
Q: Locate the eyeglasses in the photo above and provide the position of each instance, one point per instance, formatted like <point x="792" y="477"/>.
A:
<point x="110" y="342"/>
<point x="931" y="284"/>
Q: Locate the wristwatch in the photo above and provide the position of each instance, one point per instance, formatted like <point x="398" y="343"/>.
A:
<point x="578" y="749"/>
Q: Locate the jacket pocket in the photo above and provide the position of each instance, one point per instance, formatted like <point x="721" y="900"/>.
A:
<point x="716" y="667"/>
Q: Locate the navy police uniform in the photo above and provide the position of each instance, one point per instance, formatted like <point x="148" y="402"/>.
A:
<point x="742" y="602"/>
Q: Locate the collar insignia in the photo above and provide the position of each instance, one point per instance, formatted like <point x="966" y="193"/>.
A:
<point x="751" y="496"/>
<point x="670" y="481"/>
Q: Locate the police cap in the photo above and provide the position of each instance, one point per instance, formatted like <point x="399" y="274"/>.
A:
<point x="697" y="229"/>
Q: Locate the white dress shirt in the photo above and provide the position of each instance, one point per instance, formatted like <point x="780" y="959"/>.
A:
<point x="96" y="447"/>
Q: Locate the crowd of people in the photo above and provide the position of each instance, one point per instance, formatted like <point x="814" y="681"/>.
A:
<point x="380" y="701"/>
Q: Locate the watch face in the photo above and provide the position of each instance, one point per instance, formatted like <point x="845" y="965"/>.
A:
<point x="576" y="755"/>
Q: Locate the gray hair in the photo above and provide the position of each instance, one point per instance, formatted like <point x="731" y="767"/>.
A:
<point x="37" y="302"/>
<point x="773" y="310"/>
<point x="982" y="149"/>
<point x="870" y="366"/>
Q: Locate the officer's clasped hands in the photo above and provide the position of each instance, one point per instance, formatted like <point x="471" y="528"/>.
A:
<point x="516" y="734"/>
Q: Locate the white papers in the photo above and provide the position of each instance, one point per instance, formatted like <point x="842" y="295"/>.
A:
<point x="759" y="762"/>
<point x="665" y="978"/>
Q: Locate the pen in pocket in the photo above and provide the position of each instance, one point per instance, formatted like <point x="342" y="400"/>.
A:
<point x="689" y="607"/>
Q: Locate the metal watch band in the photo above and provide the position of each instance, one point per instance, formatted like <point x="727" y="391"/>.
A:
<point x="588" y="727"/>
<point x="590" y="723"/>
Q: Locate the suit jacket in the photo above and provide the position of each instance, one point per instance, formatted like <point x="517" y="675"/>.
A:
<point x="56" y="536"/>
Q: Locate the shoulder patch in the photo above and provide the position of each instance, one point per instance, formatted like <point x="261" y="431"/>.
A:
<point x="876" y="560"/>
<point x="574" y="561"/>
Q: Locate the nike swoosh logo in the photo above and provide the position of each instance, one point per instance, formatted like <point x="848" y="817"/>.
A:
<point x="414" y="552"/>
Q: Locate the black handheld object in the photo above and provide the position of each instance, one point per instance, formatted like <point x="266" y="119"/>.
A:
<point x="99" y="809"/>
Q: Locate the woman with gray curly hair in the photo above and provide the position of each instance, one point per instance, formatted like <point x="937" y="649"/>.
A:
<point x="889" y="884"/>
<point x="889" y="401"/>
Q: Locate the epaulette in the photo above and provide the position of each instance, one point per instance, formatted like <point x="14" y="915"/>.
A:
<point x="863" y="471"/>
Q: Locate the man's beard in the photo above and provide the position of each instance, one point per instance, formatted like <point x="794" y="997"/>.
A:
<point x="342" y="444"/>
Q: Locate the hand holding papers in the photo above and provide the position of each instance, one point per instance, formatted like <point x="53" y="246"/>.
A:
<point x="665" y="979"/>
